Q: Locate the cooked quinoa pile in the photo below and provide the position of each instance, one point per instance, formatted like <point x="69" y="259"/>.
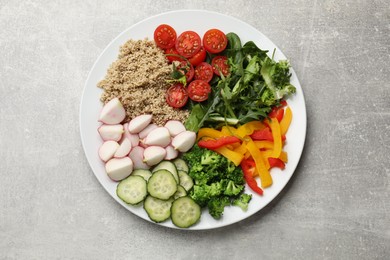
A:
<point x="138" y="78"/>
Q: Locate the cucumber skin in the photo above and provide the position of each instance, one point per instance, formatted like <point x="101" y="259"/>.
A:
<point x="124" y="200"/>
<point x="191" y="222"/>
<point x="153" y="218"/>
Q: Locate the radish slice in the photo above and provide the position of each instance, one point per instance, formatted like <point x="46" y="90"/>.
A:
<point x="113" y="112"/>
<point x="134" y="138"/>
<point x="147" y="130"/>
<point x="159" y="137"/>
<point x="139" y="123"/>
<point x="124" y="149"/>
<point x="171" y="153"/>
<point x="153" y="155"/>
<point x="175" y="127"/>
<point x="118" y="169"/>
<point x="111" y="132"/>
<point x="137" y="156"/>
<point x="184" y="141"/>
<point x="107" y="150"/>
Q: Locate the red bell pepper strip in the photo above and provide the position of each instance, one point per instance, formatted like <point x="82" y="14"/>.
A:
<point x="264" y="135"/>
<point x="217" y="143"/>
<point x="248" y="167"/>
<point x="277" y="112"/>
<point x="276" y="162"/>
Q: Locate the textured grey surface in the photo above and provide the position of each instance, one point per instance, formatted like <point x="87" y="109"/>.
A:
<point x="336" y="206"/>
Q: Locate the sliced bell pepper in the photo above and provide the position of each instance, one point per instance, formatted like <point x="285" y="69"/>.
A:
<point x="232" y="156"/>
<point x="249" y="128"/>
<point x="248" y="167"/>
<point x="275" y="128"/>
<point x="213" y="144"/>
<point x="241" y="149"/>
<point x="209" y="132"/>
<point x="265" y="176"/>
<point x="283" y="156"/>
<point x="263" y="134"/>
<point x="286" y="121"/>
<point x="264" y="144"/>
<point x="277" y="112"/>
<point x="276" y="162"/>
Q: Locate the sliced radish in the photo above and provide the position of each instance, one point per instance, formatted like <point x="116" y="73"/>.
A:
<point x="171" y="153"/>
<point x="137" y="156"/>
<point x="113" y="112"/>
<point x="153" y="155"/>
<point x="118" y="169"/>
<point x="184" y="141"/>
<point x="142" y="144"/>
<point x="107" y="150"/>
<point x="144" y="133"/>
<point x="175" y="127"/>
<point x="124" y="149"/>
<point x="139" y="123"/>
<point x="134" y="138"/>
<point x="159" y="137"/>
<point x="111" y="132"/>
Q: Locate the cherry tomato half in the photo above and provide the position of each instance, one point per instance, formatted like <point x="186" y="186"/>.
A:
<point x="204" y="71"/>
<point x="198" y="58"/>
<point x="165" y="36"/>
<point x="214" y="41"/>
<point x="177" y="95"/>
<point x="188" y="44"/>
<point x="172" y="58"/>
<point x="220" y="63"/>
<point x="186" y="67"/>
<point x="198" y="90"/>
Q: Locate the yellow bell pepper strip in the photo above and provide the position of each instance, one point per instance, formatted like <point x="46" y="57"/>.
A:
<point x="209" y="132"/>
<point x="249" y="128"/>
<point x="283" y="156"/>
<point x="241" y="149"/>
<point x="233" y="156"/>
<point x="265" y="176"/>
<point x="286" y="121"/>
<point x="228" y="130"/>
<point x="264" y="144"/>
<point x="275" y="129"/>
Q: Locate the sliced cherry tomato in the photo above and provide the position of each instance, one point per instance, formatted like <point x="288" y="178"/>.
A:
<point x="188" y="44"/>
<point x="165" y="36"/>
<point x="177" y="95"/>
<point x="214" y="41"/>
<point x="188" y="69"/>
<point x="220" y="63"/>
<point x="198" y="90"/>
<point x="172" y="55"/>
<point x="204" y="71"/>
<point x="198" y="58"/>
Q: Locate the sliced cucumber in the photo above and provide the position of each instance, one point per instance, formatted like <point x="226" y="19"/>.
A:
<point x="158" y="210"/>
<point x="162" y="185"/>
<point x="132" y="190"/>
<point x="181" y="165"/>
<point x="146" y="174"/>
<point x="169" y="166"/>
<point x="185" y="212"/>
<point x="181" y="192"/>
<point x="185" y="180"/>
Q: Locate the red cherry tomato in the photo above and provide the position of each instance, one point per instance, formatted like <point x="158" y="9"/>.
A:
<point x="204" y="71"/>
<point x="172" y="58"/>
<point x="220" y="63"/>
<point x="198" y="90"/>
<point x="198" y="58"/>
<point x="214" y="41"/>
<point x="188" y="44"/>
<point x="165" y="36"/>
<point x="186" y="67"/>
<point x="177" y="95"/>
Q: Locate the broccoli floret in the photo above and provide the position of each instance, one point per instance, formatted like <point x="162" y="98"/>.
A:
<point x="242" y="201"/>
<point x="203" y="193"/>
<point x="193" y="155"/>
<point x="210" y="157"/>
<point x="216" y="206"/>
<point x="236" y="175"/>
<point x="232" y="189"/>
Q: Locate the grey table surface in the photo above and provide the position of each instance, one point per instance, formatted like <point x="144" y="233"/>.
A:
<point x="336" y="206"/>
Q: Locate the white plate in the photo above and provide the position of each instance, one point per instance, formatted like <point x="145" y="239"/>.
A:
<point x="200" y="22"/>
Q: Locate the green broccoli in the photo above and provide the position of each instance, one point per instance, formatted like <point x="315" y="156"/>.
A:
<point x="210" y="157"/>
<point x="232" y="189"/>
<point x="242" y="201"/>
<point x="203" y="193"/>
<point x="216" y="206"/>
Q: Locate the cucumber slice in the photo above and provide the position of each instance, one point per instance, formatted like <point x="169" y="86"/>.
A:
<point x="181" y="165"/>
<point x="146" y="174"/>
<point x="185" y="212"/>
<point x="181" y="192"/>
<point x="132" y="190"/>
<point x="157" y="210"/>
<point x="169" y="166"/>
<point x="162" y="185"/>
<point x="185" y="180"/>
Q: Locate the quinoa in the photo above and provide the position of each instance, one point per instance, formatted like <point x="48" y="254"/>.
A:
<point x="138" y="78"/>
